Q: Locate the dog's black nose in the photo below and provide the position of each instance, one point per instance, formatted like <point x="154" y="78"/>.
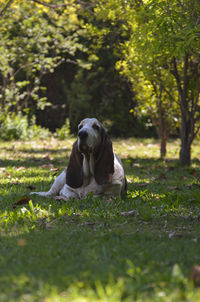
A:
<point x="83" y="134"/>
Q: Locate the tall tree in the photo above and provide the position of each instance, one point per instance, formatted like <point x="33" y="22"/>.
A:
<point x="184" y="65"/>
<point x="34" y="39"/>
<point x="152" y="84"/>
<point x="166" y="34"/>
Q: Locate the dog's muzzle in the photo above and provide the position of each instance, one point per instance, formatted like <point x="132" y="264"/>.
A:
<point x="83" y="145"/>
<point x="83" y="134"/>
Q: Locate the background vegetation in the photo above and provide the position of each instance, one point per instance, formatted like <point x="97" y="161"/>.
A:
<point x="133" y="65"/>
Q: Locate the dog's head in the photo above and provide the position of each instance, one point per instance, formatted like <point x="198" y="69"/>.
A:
<point x="92" y="139"/>
<point x="89" y="135"/>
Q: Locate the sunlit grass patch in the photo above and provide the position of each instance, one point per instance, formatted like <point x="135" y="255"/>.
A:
<point x="141" y="248"/>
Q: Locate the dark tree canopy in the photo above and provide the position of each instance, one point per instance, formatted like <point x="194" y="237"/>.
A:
<point x="133" y="65"/>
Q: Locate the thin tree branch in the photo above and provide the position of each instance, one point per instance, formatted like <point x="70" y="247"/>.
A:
<point x="195" y="132"/>
<point x="181" y="4"/>
<point x="62" y="5"/>
<point x="6" y="7"/>
<point x="177" y="77"/>
<point x="185" y="77"/>
<point x="161" y="82"/>
<point x="198" y="92"/>
<point x="22" y="67"/>
<point x="72" y="61"/>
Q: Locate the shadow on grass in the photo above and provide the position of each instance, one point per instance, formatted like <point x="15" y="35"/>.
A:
<point x="78" y="253"/>
<point x="152" y="175"/>
<point x="41" y="150"/>
<point x="78" y="249"/>
<point x="32" y="162"/>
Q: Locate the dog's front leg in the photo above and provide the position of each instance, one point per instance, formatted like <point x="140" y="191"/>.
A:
<point x="67" y="192"/>
<point x="55" y="189"/>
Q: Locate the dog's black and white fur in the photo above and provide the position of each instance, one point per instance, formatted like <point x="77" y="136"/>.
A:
<point x="93" y="166"/>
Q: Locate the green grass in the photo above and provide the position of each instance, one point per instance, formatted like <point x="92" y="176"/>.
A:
<point x="89" y="250"/>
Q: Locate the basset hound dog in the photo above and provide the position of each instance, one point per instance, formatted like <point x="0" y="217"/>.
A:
<point x="93" y="166"/>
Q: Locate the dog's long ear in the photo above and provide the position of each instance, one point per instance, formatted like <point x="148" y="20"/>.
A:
<point x="74" y="174"/>
<point x="104" y="160"/>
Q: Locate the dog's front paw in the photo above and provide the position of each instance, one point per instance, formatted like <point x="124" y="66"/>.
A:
<point x="61" y="197"/>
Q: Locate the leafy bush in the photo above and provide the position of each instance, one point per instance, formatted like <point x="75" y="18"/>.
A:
<point x="18" y="127"/>
<point x="64" y="132"/>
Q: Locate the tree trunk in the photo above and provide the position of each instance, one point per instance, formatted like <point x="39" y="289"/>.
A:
<point x="163" y="146"/>
<point x="185" y="151"/>
<point x="187" y="112"/>
<point x="185" y="154"/>
<point x="163" y="129"/>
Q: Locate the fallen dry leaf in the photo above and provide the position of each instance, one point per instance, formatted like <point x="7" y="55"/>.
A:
<point x="54" y="169"/>
<point x="23" y="200"/>
<point x="21" y="242"/>
<point x="195" y="173"/>
<point x="195" y="275"/>
<point x="6" y="174"/>
<point x="50" y="166"/>
<point x="143" y="184"/>
<point x="31" y="187"/>
<point x="46" y="155"/>
<point x="20" y="168"/>
<point x="161" y="176"/>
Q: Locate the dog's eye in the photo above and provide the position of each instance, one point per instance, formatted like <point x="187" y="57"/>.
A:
<point x="80" y="126"/>
<point x="95" y="127"/>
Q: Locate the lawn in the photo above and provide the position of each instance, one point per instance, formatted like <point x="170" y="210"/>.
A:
<point x="141" y="248"/>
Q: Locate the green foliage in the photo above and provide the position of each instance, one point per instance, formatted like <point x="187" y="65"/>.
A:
<point x="101" y="91"/>
<point x="34" y="40"/>
<point x="93" y="93"/>
<point x="14" y="127"/>
<point x="132" y="62"/>
<point x="64" y="131"/>
<point x="161" y="59"/>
